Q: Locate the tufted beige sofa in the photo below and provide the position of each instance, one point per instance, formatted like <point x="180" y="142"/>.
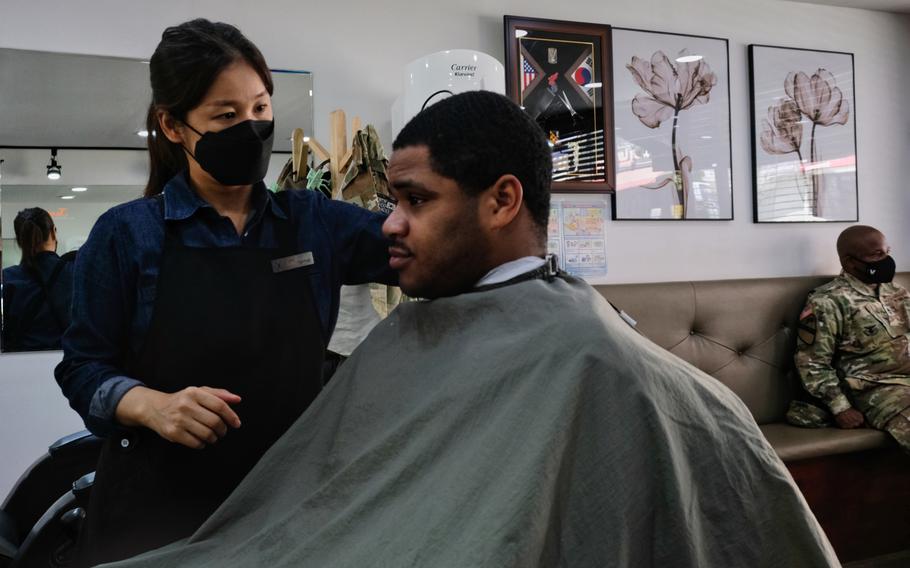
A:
<point x="742" y="332"/>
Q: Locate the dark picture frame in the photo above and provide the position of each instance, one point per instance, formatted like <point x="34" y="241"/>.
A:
<point x="674" y="157"/>
<point x="803" y="116"/>
<point x="560" y="73"/>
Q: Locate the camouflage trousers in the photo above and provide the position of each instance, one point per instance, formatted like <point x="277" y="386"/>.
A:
<point x="887" y="408"/>
<point x="880" y="404"/>
<point x="899" y="428"/>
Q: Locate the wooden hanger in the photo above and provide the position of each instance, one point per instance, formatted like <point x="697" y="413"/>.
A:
<point x="339" y="154"/>
<point x="299" y="152"/>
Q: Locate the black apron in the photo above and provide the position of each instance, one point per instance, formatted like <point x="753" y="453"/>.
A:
<point x="222" y="318"/>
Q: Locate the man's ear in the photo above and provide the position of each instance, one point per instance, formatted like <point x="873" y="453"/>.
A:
<point x="170" y="127"/>
<point x="501" y="202"/>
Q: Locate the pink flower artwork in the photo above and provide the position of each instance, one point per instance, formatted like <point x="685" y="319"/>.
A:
<point x="816" y="100"/>
<point x="670" y="88"/>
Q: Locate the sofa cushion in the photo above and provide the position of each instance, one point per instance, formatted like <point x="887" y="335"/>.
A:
<point x="739" y="331"/>
<point x="742" y="332"/>
<point x="792" y="443"/>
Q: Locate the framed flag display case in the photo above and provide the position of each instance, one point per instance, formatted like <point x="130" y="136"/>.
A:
<point x="560" y="74"/>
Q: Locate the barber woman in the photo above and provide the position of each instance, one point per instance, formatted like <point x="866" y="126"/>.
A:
<point x="202" y="311"/>
<point x="38" y="291"/>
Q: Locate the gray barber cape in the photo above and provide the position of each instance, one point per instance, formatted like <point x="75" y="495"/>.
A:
<point x="522" y="426"/>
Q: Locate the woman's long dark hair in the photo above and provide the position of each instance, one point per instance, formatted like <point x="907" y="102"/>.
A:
<point x="33" y="227"/>
<point x="185" y="64"/>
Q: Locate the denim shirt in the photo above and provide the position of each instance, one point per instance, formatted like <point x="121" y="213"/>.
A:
<point x="117" y="270"/>
<point x="21" y="292"/>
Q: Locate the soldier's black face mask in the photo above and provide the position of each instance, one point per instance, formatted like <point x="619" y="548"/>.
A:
<point x="238" y="155"/>
<point x="880" y="271"/>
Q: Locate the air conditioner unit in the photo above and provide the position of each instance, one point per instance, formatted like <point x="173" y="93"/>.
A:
<point x="433" y="77"/>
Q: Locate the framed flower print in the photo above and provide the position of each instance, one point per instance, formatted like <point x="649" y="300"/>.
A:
<point x="672" y="111"/>
<point x="559" y="72"/>
<point x="803" y="135"/>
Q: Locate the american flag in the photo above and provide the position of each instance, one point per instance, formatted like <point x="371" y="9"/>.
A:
<point x="527" y="73"/>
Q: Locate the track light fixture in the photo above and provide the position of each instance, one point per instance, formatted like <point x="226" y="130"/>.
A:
<point x="54" y="170"/>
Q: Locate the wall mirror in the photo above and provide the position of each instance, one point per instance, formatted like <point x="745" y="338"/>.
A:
<point x="91" y="110"/>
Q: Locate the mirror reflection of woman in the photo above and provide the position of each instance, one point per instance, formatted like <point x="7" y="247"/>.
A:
<point x="202" y="311"/>
<point x="37" y="292"/>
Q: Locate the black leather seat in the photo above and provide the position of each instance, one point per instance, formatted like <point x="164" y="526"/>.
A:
<point x="9" y="537"/>
<point x="42" y="514"/>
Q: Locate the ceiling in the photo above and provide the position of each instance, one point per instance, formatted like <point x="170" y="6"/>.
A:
<point x="78" y="101"/>
<point x="883" y="5"/>
<point x="49" y="196"/>
<point x="80" y="167"/>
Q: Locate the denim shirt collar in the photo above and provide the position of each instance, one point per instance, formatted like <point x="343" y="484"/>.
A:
<point x="182" y="202"/>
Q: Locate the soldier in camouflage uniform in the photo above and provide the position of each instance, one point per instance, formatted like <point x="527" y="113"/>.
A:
<point x="854" y="336"/>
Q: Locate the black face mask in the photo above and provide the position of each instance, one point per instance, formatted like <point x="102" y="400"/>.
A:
<point x="880" y="271"/>
<point x="238" y="155"/>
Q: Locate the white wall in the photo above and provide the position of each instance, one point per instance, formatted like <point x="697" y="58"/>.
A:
<point x="357" y="52"/>
<point x="34" y="412"/>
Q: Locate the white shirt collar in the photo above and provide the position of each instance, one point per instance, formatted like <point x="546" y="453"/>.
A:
<point x="511" y="269"/>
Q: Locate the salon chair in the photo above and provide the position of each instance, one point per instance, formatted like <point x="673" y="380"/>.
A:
<point x="41" y="517"/>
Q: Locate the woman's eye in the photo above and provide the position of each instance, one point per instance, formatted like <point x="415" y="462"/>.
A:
<point x="261" y="108"/>
<point x="228" y="115"/>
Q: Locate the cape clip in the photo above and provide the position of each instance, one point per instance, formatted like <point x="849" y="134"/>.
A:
<point x="551" y="265"/>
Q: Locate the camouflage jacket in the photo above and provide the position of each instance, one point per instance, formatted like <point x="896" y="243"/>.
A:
<point x="853" y="336"/>
<point x="366" y="184"/>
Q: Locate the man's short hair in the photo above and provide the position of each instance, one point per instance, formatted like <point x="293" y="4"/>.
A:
<point x="476" y="137"/>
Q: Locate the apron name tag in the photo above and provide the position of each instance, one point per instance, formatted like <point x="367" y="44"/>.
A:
<point x="292" y="262"/>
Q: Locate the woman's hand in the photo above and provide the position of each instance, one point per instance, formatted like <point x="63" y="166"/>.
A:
<point x="194" y="416"/>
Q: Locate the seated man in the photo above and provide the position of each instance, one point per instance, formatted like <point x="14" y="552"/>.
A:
<point x="511" y="419"/>
<point x="854" y="336"/>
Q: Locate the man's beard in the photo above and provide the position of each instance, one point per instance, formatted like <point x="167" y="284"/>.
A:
<point x="459" y="265"/>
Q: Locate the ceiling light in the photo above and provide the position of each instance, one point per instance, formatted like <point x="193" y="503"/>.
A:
<point x="142" y="133"/>
<point x="67" y="197"/>
<point x="306" y="138"/>
<point x="688" y="58"/>
<point x="54" y="170"/>
<point x="80" y="189"/>
<point x="521" y="33"/>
